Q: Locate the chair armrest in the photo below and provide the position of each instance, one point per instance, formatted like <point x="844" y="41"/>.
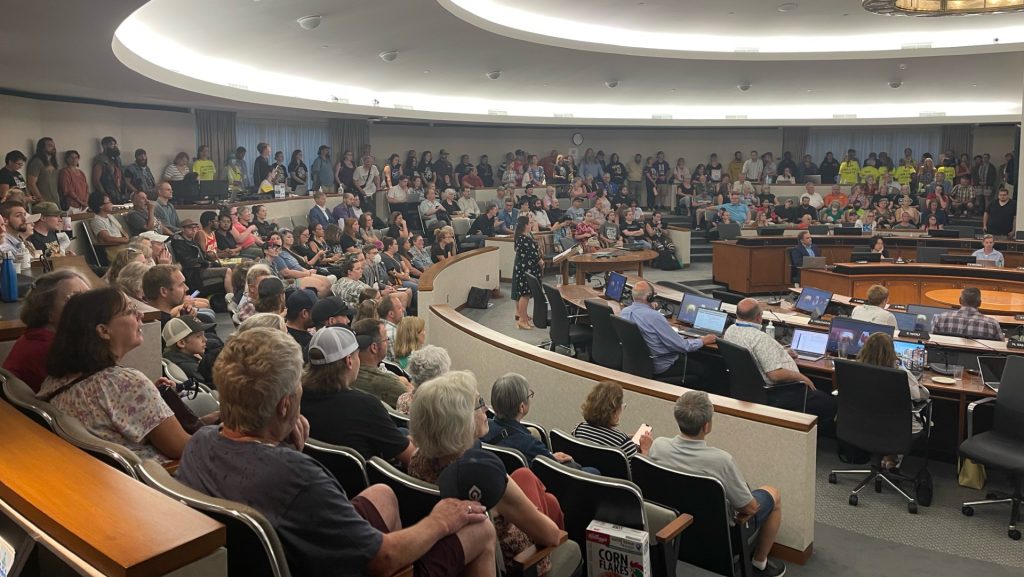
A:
<point x="532" y="555"/>
<point x="970" y="413"/>
<point x="771" y="386"/>
<point x="673" y="529"/>
<point x="742" y="518"/>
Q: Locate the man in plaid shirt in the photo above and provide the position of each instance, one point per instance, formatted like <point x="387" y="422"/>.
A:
<point x="967" y="321"/>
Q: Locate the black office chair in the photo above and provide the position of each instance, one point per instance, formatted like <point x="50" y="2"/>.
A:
<point x="745" y="380"/>
<point x="930" y="254"/>
<point x="345" y="463"/>
<point x="253" y="547"/>
<point x="874" y="414"/>
<point x="636" y="356"/>
<point x="685" y="289"/>
<point x="563" y="333"/>
<point x="1002" y="447"/>
<point x="540" y="302"/>
<point x="398" y="418"/>
<point x="729" y="298"/>
<point x="605" y="349"/>
<point x="512" y="458"/>
<point x="611" y="461"/>
<point x="416" y="499"/>
<point x="713" y="542"/>
<point x="585" y="497"/>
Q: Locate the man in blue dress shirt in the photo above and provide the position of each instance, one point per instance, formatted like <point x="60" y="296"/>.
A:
<point x="805" y="247"/>
<point x="667" y="347"/>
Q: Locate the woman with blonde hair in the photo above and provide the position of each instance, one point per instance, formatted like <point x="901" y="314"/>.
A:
<point x="410" y="335"/>
<point x="130" y="279"/>
<point x="265" y="321"/>
<point x="602" y="410"/>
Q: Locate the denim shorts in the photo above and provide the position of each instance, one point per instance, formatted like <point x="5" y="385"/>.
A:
<point x="765" y="505"/>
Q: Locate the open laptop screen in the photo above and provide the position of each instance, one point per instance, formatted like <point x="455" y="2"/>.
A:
<point x="809" y="342"/>
<point x="926" y="315"/>
<point x="853" y="333"/>
<point x="709" y="320"/>
<point x="813" y="301"/>
<point x="616" y="282"/>
<point x="690" y="305"/>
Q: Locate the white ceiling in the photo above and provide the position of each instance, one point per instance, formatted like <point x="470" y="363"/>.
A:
<point x="340" y="58"/>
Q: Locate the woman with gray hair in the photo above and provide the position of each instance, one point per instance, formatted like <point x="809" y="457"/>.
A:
<point x="264" y="321"/>
<point x="425" y="364"/>
<point x="510" y="399"/>
<point x="446" y="420"/>
<point x="130" y="279"/>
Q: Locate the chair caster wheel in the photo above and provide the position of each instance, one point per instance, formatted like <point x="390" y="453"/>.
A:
<point x="878" y="485"/>
<point x="967" y="511"/>
<point x="912" y="508"/>
<point x="832" y="478"/>
<point x="1014" y="534"/>
<point x="853" y="500"/>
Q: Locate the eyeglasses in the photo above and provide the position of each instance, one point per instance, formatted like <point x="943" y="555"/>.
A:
<point x="480" y="404"/>
<point x="530" y="396"/>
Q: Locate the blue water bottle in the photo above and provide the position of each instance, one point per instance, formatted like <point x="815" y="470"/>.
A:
<point x="8" y="280"/>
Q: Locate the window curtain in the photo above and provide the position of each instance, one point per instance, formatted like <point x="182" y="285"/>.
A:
<point x="893" y="140"/>
<point x="216" y="128"/>
<point x="281" y="135"/>
<point x="347" y="134"/>
<point x="958" y="137"/>
<point x="795" y="141"/>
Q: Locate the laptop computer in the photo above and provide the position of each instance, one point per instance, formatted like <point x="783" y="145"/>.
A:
<point x="814" y="262"/>
<point x="866" y="257"/>
<point x="728" y="231"/>
<point x="809" y="345"/>
<point x="691" y="304"/>
<point x="706" y="322"/>
<point x="818" y="229"/>
<point x="990" y="367"/>
<point x="911" y="356"/>
<point x="943" y="233"/>
<point x="613" y="289"/>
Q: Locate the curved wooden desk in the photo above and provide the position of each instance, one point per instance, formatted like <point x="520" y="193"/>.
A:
<point x="992" y="302"/>
<point x="620" y="260"/>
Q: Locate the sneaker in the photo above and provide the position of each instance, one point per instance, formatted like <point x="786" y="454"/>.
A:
<point x="773" y="568"/>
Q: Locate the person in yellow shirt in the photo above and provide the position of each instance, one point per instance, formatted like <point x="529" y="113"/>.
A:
<point x="203" y="166"/>
<point x="946" y="168"/>
<point x="904" y="172"/>
<point x="736" y="166"/>
<point x="868" y="171"/>
<point x="849" y="169"/>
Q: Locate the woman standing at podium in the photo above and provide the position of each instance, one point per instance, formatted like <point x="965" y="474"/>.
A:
<point x="528" y="261"/>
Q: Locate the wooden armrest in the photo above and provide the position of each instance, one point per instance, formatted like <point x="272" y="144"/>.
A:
<point x="404" y="572"/>
<point x="532" y="555"/>
<point x="673" y="529"/>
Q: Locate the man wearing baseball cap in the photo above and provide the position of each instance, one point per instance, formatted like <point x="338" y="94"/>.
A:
<point x="185" y="346"/>
<point x="341" y="415"/>
<point x="332" y="311"/>
<point x="372" y="379"/>
<point x="299" y="317"/>
<point x="49" y="235"/>
<point x="201" y="273"/>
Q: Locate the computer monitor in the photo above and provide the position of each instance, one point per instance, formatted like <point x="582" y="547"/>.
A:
<point x="185" y="191"/>
<point x="728" y="231"/>
<point x="905" y="353"/>
<point x="848" y="231"/>
<point x="818" y="229"/>
<point x="854" y="333"/>
<point x="213" y="189"/>
<point x="711" y="321"/>
<point x="926" y="315"/>
<point x="991" y="368"/>
<point x="807" y="342"/>
<point x="908" y="322"/>
<point x="957" y="259"/>
<point x="690" y="305"/>
<point x="813" y="301"/>
<point x="930" y="254"/>
<point x="944" y="233"/>
<point x="866" y="257"/>
<point x="770" y="231"/>
<point x="616" y="282"/>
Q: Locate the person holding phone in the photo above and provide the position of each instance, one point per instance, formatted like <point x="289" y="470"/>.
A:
<point x="602" y="410"/>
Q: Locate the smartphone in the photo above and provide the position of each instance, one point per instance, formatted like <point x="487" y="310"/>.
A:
<point x="194" y="294"/>
<point x="644" y="428"/>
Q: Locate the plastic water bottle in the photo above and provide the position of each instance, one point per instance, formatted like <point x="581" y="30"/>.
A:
<point x="770" y="330"/>
<point x="8" y="280"/>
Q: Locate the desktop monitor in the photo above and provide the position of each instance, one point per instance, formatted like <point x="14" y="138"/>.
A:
<point x="908" y="322"/>
<point x="213" y="189"/>
<point x="770" y="231"/>
<point x="616" y="282"/>
<point x="926" y="315"/>
<point x="853" y="333"/>
<point x="944" y="233"/>
<point x="930" y="254"/>
<point x="727" y="297"/>
<point x="848" y="231"/>
<point x="957" y="259"/>
<point x="691" y="303"/>
<point x="711" y="321"/>
<point x="866" y="257"/>
<point x="185" y="191"/>
<point x="818" y="229"/>
<point x="813" y="301"/>
<point x="728" y="231"/>
<point x="906" y="353"/>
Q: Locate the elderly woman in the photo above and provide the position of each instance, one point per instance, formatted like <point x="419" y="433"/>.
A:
<point x="602" y="410"/>
<point x="41" y="312"/>
<point x="129" y="279"/>
<point x="424" y="364"/>
<point x="446" y="419"/>
<point x="115" y="403"/>
<point x="510" y="399"/>
<point x="350" y="285"/>
<point x="264" y="321"/>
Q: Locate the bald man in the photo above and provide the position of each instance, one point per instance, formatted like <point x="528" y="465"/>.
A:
<point x="668" y="348"/>
<point x="778" y="365"/>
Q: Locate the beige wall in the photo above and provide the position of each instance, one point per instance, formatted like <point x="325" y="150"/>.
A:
<point x="995" y="140"/>
<point x="81" y="126"/>
<point x="451" y="286"/>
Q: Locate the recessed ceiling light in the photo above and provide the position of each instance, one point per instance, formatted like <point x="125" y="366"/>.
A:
<point x="809" y="90"/>
<point x="672" y="90"/>
<point x="426" y="71"/>
<point x="389" y="55"/>
<point x="902" y="66"/>
<point x="895" y="84"/>
<point x="494" y="74"/>
<point x="612" y="83"/>
<point x="743" y="87"/>
<point x="309" y="22"/>
<point x="788" y="7"/>
<point x="324" y="46"/>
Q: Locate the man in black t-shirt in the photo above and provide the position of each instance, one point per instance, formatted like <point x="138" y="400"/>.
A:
<point x="261" y="167"/>
<point x="999" y="216"/>
<point x="445" y="171"/>
<point x="10" y="174"/>
<point x="45" y="238"/>
<point x="484" y="224"/>
<point x="299" y="318"/>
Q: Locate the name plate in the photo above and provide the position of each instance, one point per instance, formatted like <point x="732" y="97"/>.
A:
<point x="1018" y="317"/>
<point x="858" y="302"/>
<point x="914" y="335"/>
<point x="897" y="307"/>
<point x="819" y="323"/>
<point x="1015" y="345"/>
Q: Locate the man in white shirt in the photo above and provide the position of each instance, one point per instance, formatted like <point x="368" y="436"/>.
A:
<point x="753" y="167"/>
<point x="399" y="193"/>
<point x="366" y="179"/>
<point x="988" y="251"/>
<point x="874" y="310"/>
<point x="743" y="186"/>
<point x="816" y="200"/>
<point x="431" y="210"/>
<point x="468" y="204"/>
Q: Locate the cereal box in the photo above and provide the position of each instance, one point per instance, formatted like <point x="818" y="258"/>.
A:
<point x="616" y="551"/>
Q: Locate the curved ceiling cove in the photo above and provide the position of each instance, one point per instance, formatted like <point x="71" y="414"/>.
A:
<point x="437" y="63"/>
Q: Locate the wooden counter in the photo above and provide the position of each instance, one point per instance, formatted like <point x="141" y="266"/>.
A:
<point x="760" y="264"/>
<point x="910" y="283"/>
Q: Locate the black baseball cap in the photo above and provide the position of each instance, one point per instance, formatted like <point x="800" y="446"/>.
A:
<point x="478" y="475"/>
<point x="331" y="306"/>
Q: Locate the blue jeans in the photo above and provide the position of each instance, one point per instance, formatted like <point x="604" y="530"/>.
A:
<point x="765" y="505"/>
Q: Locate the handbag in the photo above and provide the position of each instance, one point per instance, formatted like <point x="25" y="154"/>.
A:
<point x="188" y="420"/>
<point x="971" y="474"/>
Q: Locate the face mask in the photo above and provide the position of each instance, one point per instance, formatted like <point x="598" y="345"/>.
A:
<point x="376" y="259"/>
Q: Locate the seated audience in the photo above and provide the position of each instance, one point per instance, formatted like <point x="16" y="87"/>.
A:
<point x="424" y="364"/>
<point x="667" y="347"/>
<point x="988" y="251"/>
<point x="373" y="348"/>
<point x="689" y="452"/>
<point x="106" y="230"/>
<point x="270" y="296"/>
<point x="185" y="346"/>
<point x="256" y="459"/>
<point x="164" y="288"/>
<point x="332" y="311"/>
<point x="444" y="246"/>
<point x="446" y="420"/>
<point x="247" y="302"/>
<point x="602" y="410"/>
<point x="873" y="311"/>
<point x="350" y="285"/>
<point x="299" y="317"/>
<point x="967" y="321"/>
<point x="410" y="335"/>
<point x="41" y="311"/>
<point x="117" y="404"/>
<point x="777" y="365"/>
<point x="337" y="413"/>
<point x="263" y="320"/>
<point x="48" y="236"/>
<point x="129" y="280"/>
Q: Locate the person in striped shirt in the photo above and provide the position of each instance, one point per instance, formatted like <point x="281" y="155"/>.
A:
<point x="601" y="412"/>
